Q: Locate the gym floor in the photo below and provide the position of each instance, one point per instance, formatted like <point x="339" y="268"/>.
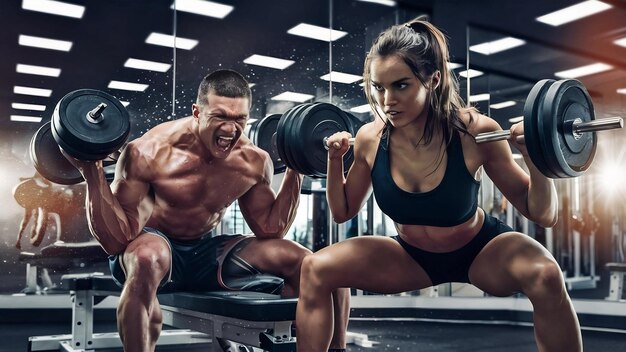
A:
<point x="389" y="335"/>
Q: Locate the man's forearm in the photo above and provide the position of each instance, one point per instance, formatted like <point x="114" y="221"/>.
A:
<point x="107" y="221"/>
<point x="286" y="204"/>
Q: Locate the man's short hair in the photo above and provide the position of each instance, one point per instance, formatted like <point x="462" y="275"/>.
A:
<point x="225" y="83"/>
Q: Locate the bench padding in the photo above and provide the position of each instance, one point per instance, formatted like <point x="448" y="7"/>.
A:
<point x="254" y="306"/>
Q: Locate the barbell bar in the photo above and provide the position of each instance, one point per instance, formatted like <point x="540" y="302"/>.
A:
<point x="577" y="129"/>
<point x="327" y="147"/>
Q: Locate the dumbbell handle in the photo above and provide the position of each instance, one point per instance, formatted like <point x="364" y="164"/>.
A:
<point x="577" y="128"/>
<point x="325" y="142"/>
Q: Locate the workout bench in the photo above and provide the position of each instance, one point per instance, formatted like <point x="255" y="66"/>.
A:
<point x="250" y="318"/>
<point x="616" y="285"/>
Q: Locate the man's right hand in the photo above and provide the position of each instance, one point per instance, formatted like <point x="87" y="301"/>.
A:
<point x="81" y="165"/>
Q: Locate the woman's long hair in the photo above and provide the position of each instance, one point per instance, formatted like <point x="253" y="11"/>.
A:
<point x="424" y="48"/>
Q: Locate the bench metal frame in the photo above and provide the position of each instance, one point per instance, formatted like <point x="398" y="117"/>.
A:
<point x="198" y="326"/>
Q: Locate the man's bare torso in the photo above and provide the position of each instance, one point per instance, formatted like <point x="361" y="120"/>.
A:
<point x="191" y="193"/>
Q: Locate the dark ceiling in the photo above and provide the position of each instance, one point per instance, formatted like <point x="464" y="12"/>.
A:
<point x="112" y="31"/>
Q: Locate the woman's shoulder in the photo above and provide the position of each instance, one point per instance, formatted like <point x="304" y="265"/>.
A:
<point x="371" y="131"/>
<point x="478" y="123"/>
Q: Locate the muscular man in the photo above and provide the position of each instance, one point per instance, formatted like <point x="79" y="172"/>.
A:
<point x="172" y="186"/>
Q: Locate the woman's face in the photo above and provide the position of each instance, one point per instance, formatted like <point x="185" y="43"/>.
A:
<point x="397" y="91"/>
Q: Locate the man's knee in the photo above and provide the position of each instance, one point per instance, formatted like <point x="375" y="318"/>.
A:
<point x="147" y="264"/>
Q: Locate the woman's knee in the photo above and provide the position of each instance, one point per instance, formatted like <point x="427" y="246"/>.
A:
<point x="313" y="270"/>
<point x="546" y="279"/>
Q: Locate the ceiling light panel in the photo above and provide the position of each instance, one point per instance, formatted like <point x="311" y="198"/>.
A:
<point x="38" y="92"/>
<point x="22" y="106"/>
<point x="574" y="12"/>
<point x="479" y="97"/>
<point x="54" y="8"/>
<point x="136" y="87"/>
<point x="502" y="105"/>
<point x="341" y="77"/>
<point x="292" y="96"/>
<point x="44" y="43"/>
<point x="268" y="61"/>
<point x="361" y="109"/>
<point x="470" y="73"/>
<point x="38" y="70"/>
<point x="169" y="41"/>
<point x="22" y="118"/>
<point x="201" y="7"/>
<point x="316" y="32"/>
<point x="381" y="2"/>
<point x="497" y="46"/>
<point x="621" y="42"/>
<point x="147" y="65"/>
<point x="584" y="70"/>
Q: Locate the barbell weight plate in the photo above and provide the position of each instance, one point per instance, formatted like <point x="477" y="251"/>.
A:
<point x="48" y="160"/>
<point x="86" y="140"/>
<point x="532" y="112"/>
<point x="263" y="135"/>
<point x="565" y="101"/>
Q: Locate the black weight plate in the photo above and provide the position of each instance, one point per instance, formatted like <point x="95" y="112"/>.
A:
<point x="48" y="160"/>
<point x="83" y="139"/>
<point x="264" y="137"/>
<point x="299" y="150"/>
<point x="280" y="137"/>
<point x="285" y="139"/>
<point x="567" y="100"/>
<point x="532" y="112"/>
<point x="321" y="121"/>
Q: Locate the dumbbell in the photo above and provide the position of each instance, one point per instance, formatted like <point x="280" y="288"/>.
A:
<point x="89" y="125"/>
<point x="297" y="138"/>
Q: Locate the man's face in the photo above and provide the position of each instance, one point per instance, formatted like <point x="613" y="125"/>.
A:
<point x="221" y="122"/>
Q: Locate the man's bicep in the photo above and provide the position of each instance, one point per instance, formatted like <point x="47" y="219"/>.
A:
<point x="257" y="201"/>
<point x="132" y="190"/>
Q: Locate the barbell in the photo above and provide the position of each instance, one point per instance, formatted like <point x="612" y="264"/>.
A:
<point x="559" y="131"/>
<point x="559" y="128"/>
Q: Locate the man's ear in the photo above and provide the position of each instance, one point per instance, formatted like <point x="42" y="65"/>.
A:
<point x="195" y="110"/>
<point x="435" y="79"/>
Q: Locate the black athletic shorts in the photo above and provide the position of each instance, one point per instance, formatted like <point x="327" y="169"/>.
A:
<point x="194" y="263"/>
<point x="454" y="266"/>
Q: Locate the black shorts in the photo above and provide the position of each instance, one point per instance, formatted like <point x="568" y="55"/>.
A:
<point x="454" y="266"/>
<point x="195" y="264"/>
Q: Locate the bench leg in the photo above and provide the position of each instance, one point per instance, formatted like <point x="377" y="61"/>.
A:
<point x="616" y="286"/>
<point x="31" y="280"/>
